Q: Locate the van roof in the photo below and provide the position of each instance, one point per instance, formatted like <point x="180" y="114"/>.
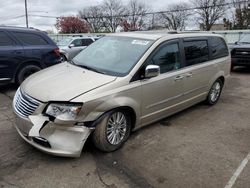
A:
<point x="155" y="35"/>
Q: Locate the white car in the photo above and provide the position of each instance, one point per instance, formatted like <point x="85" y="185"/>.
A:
<point x="70" y="47"/>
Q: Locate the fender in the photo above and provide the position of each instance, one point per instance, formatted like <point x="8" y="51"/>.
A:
<point x="96" y="115"/>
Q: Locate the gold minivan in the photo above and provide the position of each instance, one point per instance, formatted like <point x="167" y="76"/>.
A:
<point x="118" y="84"/>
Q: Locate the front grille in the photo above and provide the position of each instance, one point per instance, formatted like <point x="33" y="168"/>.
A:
<point x="24" y="105"/>
<point x="244" y="53"/>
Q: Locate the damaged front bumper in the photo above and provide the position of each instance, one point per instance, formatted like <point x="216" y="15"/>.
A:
<point x="56" y="139"/>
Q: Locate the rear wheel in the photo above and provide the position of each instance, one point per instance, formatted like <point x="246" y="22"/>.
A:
<point x="113" y="131"/>
<point x="215" y="92"/>
<point x="25" y="72"/>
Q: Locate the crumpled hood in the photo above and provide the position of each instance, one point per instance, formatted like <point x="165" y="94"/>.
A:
<point x="63" y="82"/>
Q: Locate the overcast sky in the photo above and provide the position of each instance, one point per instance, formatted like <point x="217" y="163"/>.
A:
<point x="12" y="9"/>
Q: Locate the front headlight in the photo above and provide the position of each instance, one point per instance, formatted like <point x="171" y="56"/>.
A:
<point x="65" y="112"/>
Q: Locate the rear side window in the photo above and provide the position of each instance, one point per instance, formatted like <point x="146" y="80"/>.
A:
<point x="196" y="52"/>
<point x="5" y="40"/>
<point x="218" y="47"/>
<point x="87" y="42"/>
<point x="30" y="38"/>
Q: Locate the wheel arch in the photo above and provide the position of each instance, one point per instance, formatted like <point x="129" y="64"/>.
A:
<point x="220" y="75"/>
<point x="128" y="109"/>
<point x="26" y="63"/>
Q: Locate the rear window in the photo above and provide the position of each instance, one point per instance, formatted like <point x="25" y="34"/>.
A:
<point x="196" y="52"/>
<point x="30" y="38"/>
<point x="5" y="40"/>
<point x="218" y="47"/>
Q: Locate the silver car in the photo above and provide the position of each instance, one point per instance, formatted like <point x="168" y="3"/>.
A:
<point x="71" y="46"/>
<point x="116" y="85"/>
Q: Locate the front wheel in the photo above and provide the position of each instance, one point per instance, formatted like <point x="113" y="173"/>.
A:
<point x="215" y="92"/>
<point x="63" y="58"/>
<point x="113" y="131"/>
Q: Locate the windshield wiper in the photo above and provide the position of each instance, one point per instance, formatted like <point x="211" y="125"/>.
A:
<point x="90" y="68"/>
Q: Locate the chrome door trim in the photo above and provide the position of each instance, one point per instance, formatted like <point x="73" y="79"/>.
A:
<point x="5" y="79"/>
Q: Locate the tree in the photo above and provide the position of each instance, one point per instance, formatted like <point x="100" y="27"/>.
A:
<point x="71" y="24"/>
<point x="176" y="17"/>
<point x="136" y="12"/>
<point x="94" y="16"/>
<point x="111" y="11"/>
<point x="242" y="15"/>
<point x="209" y="12"/>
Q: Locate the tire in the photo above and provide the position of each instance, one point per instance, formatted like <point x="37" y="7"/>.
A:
<point x="63" y="58"/>
<point x="25" y="72"/>
<point x="102" y="136"/>
<point x="215" y="92"/>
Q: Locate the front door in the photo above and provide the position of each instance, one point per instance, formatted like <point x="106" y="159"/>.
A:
<point x="73" y="51"/>
<point x="161" y="94"/>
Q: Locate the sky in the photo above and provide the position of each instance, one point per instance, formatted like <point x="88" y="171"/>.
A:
<point x="12" y="11"/>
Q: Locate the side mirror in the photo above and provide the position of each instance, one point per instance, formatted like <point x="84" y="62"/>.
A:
<point x="152" y="71"/>
<point x="71" y="45"/>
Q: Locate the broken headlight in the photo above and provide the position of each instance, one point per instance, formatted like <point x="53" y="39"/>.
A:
<point x="64" y="112"/>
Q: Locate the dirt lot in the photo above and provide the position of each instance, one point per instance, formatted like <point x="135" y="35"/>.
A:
<point x="200" y="147"/>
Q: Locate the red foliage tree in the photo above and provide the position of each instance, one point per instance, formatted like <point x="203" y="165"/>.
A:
<point x="72" y="24"/>
<point x="128" y="26"/>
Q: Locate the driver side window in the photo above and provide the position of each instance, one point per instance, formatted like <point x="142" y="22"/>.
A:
<point x="167" y="57"/>
<point x="77" y="42"/>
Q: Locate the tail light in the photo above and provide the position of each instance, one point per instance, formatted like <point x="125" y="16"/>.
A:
<point x="57" y="52"/>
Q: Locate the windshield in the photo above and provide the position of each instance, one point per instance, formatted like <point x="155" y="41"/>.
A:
<point x="64" y="42"/>
<point x="114" y="56"/>
<point x="245" y="39"/>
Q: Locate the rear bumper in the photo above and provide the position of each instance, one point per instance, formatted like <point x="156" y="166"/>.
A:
<point x="59" y="140"/>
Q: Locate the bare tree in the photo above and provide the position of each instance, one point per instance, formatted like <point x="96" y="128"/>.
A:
<point x="209" y="12"/>
<point x="136" y="12"/>
<point x="176" y="17"/>
<point x="94" y="17"/>
<point x="112" y="9"/>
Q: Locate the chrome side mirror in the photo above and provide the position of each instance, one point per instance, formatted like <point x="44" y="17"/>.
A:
<point x="71" y="45"/>
<point x="152" y="71"/>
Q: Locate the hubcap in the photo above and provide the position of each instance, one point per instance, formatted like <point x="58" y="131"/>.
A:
<point x="215" y="92"/>
<point x="116" y="128"/>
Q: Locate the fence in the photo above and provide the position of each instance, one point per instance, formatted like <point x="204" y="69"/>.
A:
<point x="231" y="36"/>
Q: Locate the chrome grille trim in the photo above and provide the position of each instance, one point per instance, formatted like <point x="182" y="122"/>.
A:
<point x="24" y="105"/>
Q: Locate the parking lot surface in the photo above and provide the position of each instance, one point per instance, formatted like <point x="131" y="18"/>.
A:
<point x="199" y="147"/>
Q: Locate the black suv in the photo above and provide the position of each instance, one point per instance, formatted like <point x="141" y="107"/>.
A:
<point x="24" y="51"/>
<point x="240" y="52"/>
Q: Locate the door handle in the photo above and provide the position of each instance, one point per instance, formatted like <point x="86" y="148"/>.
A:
<point x="190" y="74"/>
<point x="178" y="78"/>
